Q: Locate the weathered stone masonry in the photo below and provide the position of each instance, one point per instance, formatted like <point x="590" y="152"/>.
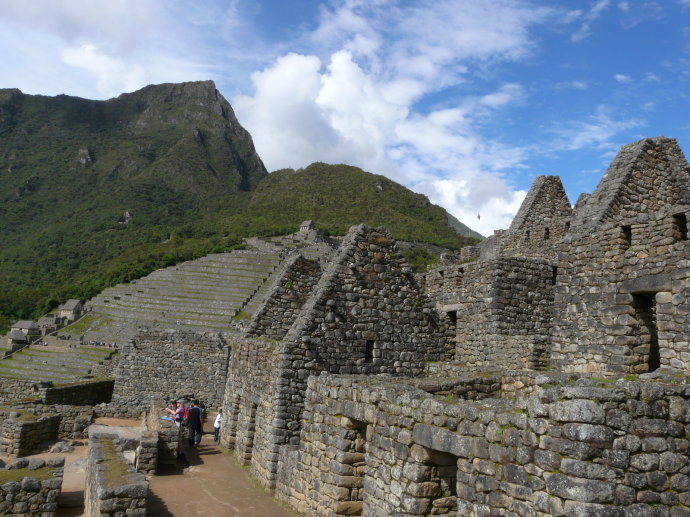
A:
<point x="577" y="447"/>
<point x="171" y="363"/>
<point x="604" y="290"/>
<point x="366" y="315"/>
<point x="623" y="289"/>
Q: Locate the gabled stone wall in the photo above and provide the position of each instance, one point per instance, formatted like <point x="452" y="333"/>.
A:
<point x="542" y="221"/>
<point x="290" y="291"/>
<point x="623" y="292"/>
<point x="366" y="315"/>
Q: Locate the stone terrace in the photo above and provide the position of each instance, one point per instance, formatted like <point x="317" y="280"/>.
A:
<point x="57" y="364"/>
<point x="202" y="294"/>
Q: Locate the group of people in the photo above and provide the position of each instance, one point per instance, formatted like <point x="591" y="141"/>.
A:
<point x="193" y="417"/>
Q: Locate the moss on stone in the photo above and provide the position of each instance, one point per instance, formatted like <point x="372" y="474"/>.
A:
<point x="116" y="472"/>
<point x="9" y="475"/>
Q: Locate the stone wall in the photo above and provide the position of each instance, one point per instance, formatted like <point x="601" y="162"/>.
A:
<point x="366" y="315"/>
<point x="255" y="421"/>
<point x="12" y="389"/>
<point x="621" y="303"/>
<point x="113" y="488"/>
<point x="33" y="489"/>
<point x="122" y="407"/>
<point x="290" y="291"/>
<point x="23" y="432"/>
<point x="578" y="446"/>
<point x="542" y="221"/>
<point x="168" y="435"/>
<point x="170" y="363"/>
<point x="498" y="311"/>
<point x="79" y="394"/>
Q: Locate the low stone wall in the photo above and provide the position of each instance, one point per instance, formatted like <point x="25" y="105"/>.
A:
<point x="74" y="420"/>
<point x="146" y="459"/>
<point x="79" y="394"/>
<point x="168" y="435"/>
<point x="576" y="447"/>
<point x="17" y="389"/>
<point x="113" y="488"/>
<point x="23" y="433"/>
<point x="31" y="487"/>
<point x="121" y="407"/>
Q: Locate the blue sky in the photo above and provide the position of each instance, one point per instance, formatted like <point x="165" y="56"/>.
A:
<point x="465" y="101"/>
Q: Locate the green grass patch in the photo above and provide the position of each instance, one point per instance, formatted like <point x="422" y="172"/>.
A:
<point x="241" y="316"/>
<point x="83" y="324"/>
<point x="10" y="475"/>
<point x="24" y="416"/>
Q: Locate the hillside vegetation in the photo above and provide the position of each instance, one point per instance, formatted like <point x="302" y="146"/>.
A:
<point x="93" y="193"/>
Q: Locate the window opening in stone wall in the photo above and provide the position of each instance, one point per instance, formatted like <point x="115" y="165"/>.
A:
<point x="546" y="234"/>
<point x="352" y="469"/>
<point x="443" y="472"/>
<point x="645" y="310"/>
<point x="527" y="235"/>
<point x="567" y="227"/>
<point x="626" y="233"/>
<point x="680" y="227"/>
<point x="369" y="352"/>
<point x="554" y="275"/>
<point x="452" y="319"/>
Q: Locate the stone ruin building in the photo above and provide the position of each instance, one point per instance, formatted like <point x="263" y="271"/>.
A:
<point x="543" y="373"/>
<point x="547" y="377"/>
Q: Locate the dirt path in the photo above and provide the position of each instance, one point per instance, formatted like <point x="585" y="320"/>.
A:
<point x="212" y="486"/>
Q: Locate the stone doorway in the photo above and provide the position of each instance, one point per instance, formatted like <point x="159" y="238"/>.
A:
<point x="350" y="466"/>
<point x="648" y="343"/>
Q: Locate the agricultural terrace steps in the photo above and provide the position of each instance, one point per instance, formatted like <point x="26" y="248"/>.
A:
<point x="44" y="363"/>
<point x="202" y="294"/>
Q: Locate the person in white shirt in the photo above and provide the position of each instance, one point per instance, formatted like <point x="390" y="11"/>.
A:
<point x="216" y="425"/>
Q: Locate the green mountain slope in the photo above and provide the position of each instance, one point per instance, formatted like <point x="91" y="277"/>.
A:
<point x="82" y="181"/>
<point x="94" y="193"/>
<point x="339" y="196"/>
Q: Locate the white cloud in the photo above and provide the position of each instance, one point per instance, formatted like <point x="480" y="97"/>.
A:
<point x="588" y="17"/>
<point x="622" y="78"/>
<point x="596" y="131"/>
<point x="358" y="100"/>
<point x="98" y="48"/>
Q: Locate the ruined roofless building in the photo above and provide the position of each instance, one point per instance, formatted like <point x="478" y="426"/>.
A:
<point x="364" y="314"/>
<point x="621" y="302"/>
<point x="497" y="310"/>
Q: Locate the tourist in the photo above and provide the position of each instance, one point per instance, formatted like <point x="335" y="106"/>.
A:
<point x="176" y="411"/>
<point x="216" y="425"/>
<point x="194" y="424"/>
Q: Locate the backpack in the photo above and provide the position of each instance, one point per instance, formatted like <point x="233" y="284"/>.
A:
<point x="185" y="414"/>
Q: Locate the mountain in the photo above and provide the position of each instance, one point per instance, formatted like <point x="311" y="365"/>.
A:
<point x="83" y="181"/>
<point x="339" y="196"/>
<point x="98" y="192"/>
<point x="463" y="229"/>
